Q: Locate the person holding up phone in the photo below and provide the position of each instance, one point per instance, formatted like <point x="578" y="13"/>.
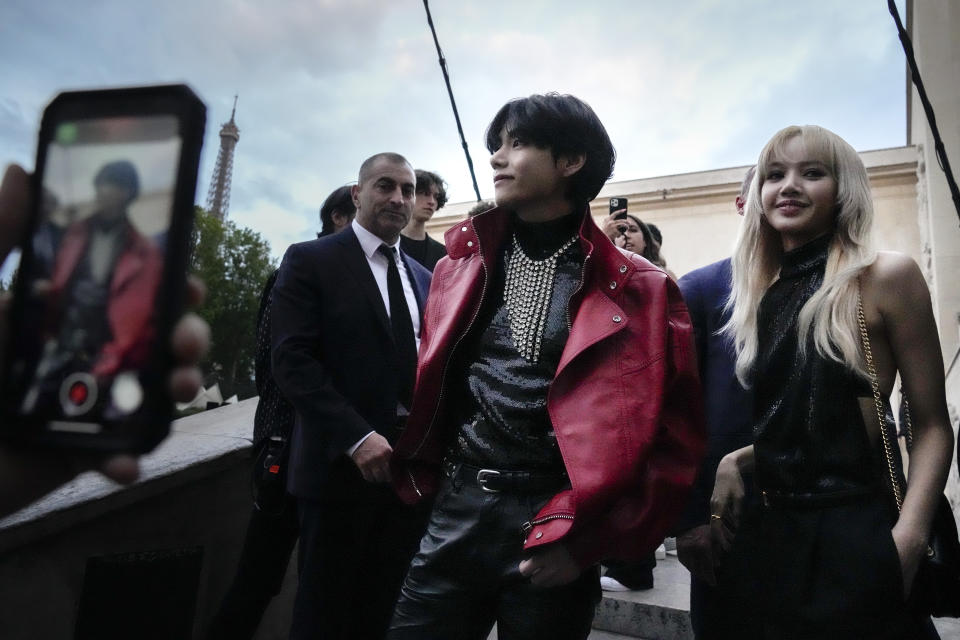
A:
<point x="28" y="474"/>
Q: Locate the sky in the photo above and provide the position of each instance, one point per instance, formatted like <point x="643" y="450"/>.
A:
<point x="681" y="86"/>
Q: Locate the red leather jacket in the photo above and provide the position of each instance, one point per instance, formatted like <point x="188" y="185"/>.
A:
<point x="133" y="288"/>
<point x="625" y="402"/>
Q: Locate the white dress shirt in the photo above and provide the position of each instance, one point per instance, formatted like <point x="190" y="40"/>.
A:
<point x="378" y="266"/>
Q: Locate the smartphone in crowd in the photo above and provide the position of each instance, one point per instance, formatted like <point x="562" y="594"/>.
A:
<point x="102" y="276"/>
<point x="618" y="208"/>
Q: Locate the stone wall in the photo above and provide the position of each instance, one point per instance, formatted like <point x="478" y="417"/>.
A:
<point x="74" y="552"/>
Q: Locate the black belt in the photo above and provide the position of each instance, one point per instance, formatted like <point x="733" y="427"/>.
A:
<point x="785" y="500"/>
<point x="497" y="480"/>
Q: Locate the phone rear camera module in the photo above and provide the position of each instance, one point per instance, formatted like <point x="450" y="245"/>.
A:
<point x="78" y="393"/>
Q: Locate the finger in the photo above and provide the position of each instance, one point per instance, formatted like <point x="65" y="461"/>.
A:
<point x="124" y="469"/>
<point x="722" y="535"/>
<point x="185" y="383"/>
<point x="528" y="567"/>
<point x="41" y="288"/>
<point x="14" y="204"/>
<point x="196" y="290"/>
<point x="382" y="473"/>
<point x="734" y="511"/>
<point x="191" y="338"/>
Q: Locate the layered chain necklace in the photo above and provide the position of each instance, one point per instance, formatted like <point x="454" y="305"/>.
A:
<point x="527" y="293"/>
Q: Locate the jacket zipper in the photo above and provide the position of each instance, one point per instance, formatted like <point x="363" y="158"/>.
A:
<point x="414" y="483"/>
<point x="528" y="526"/>
<point x="446" y="365"/>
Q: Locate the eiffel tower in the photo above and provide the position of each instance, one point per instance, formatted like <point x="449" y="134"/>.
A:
<point x="218" y="197"/>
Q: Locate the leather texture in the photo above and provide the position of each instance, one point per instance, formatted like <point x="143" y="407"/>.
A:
<point x="625" y="401"/>
<point x="465" y="576"/>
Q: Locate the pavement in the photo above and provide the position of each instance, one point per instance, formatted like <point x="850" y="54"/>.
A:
<point x="663" y="613"/>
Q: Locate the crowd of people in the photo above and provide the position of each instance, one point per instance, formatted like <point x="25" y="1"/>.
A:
<point x="468" y="429"/>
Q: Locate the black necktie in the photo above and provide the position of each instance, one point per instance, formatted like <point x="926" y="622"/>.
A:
<point x="403" y="336"/>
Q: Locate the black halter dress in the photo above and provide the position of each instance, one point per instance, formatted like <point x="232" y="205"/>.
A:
<point x="824" y="564"/>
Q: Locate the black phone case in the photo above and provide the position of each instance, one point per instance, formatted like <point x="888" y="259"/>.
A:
<point x="147" y="426"/>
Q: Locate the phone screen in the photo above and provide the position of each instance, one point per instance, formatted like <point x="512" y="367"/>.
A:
<point x="87" y="329"/>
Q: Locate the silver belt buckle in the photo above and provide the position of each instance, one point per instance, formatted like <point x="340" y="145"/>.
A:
<point x="485" y="474"/>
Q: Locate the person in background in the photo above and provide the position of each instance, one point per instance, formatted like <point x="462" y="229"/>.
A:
<point x="414" y="240"/>
<point x="729" y="412"/>
<point x="336" y="212"/>
<point x="273" y="528"/>
<point x="480" y="207"/>
<point x="346" y="320"/>
<point x="658" y="241"/>
<point x="634" y="235"/>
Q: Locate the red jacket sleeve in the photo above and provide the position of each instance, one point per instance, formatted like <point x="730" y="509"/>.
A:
<point x="639" y="520"/>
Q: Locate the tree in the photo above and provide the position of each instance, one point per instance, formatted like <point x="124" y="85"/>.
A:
<point x="234" y="263"/>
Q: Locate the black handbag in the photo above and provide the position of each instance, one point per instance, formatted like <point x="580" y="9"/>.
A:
<point x="936" y="588"/>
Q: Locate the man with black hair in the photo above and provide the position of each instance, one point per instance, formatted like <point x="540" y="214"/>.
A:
<point x="556" y="415"/>
<point x="431" y="196"/>
<point x="337" y="211"/>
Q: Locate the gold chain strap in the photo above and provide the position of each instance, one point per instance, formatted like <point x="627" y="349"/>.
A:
<point x="878" y="402"/>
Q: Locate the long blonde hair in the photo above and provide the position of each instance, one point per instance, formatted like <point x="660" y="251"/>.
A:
<point x="831" y="312"/>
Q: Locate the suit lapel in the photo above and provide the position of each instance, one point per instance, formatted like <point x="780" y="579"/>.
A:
<point x="356" y="262"/>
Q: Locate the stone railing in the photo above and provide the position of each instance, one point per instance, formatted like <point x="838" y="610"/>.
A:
<point x="93" y="558"/>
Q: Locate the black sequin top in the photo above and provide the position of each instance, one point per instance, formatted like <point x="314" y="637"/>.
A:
<point x="504" y="422"/>
<point x="809" y="432"/>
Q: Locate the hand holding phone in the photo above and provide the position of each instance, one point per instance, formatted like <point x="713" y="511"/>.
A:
<point x="27" y="474"/>
<point x="102" y="277"/>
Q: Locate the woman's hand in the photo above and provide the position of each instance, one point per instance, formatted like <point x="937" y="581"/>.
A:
<point x="911" y="548"/>
<point x="726" y="503"/>
<point x="611" y="226"/>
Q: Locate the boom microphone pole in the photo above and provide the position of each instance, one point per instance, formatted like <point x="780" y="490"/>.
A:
<point x="940" y="150"/>
<point x="453" y="103"/>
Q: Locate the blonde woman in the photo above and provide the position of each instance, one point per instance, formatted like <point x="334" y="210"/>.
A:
<point x="831" y="559"/>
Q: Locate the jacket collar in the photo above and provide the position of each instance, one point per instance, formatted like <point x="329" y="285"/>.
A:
<point x="485" y="233"/>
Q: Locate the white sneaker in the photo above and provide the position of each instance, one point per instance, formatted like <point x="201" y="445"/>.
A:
<point x="661" y="553"/>
<point x="610" y="584"/>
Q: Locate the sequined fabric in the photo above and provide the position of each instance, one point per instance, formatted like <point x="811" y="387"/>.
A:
<point x="274" y="415"/>
<point x="505" y="424"/>
<point x="809" y="432"/>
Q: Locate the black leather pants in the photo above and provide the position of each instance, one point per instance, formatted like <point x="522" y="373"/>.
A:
<point x="465" y="576"/>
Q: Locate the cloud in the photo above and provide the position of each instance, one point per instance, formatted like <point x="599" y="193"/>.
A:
<point x="325" y="84"/>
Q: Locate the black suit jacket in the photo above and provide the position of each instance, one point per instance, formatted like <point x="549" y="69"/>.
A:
<point x="334" y="359"/>
<point x="728" y="406"/>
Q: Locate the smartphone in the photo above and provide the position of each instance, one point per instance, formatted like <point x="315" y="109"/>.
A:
<point x="102" y="275"/>
<point x="618" y="204"/>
